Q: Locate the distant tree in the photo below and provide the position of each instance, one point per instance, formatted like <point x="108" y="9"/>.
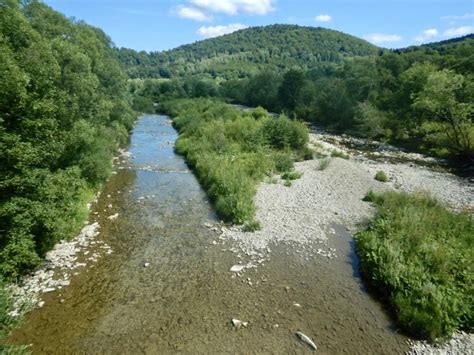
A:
<point x="441" y="100"/>
<point x="369" y="120"/>
<point x="290" y="89"/>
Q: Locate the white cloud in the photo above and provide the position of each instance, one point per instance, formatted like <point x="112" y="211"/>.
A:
<point x="192" y="13"/>
<point x="466" y="16"/>
<point x="214" y="31"/>
<point x="382" y="38"/>
<point x="323" y="18"/>
<point x="235" y="7"/>
<point x="427" y="34"/>
<point x="458" y="31"/>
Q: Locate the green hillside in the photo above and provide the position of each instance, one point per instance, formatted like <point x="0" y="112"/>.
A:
<point x="248" y="51"/>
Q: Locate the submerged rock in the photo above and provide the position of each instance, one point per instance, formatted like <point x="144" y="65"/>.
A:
<point x="237" y="268"/>
<point x="305" y="339"/>
<point x="238" y="323"/>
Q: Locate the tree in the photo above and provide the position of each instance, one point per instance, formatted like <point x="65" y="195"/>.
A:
<point x="441" y="100"/>
<point x="369" y="120"/>
<point x="290" y="89"/>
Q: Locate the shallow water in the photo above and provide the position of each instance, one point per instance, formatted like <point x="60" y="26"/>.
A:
<point x="184" y="300"/>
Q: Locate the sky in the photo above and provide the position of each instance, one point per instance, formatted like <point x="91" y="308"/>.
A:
<point x="155" y="25"/>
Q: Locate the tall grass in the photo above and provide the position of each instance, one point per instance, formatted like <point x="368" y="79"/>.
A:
<point x="420" y="257"/>
<point x="231" y="150"/>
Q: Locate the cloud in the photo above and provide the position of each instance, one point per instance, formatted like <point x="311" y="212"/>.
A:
<point x="235" y="7"/>
<point x="458" y="31"/>
<point x="192" y="13"/>
<point x="382" y="38"/>
<point x="214" y="31"/>
<point x="323" y="18"/>
<point x="466" y="16"/>
<point x="427" y="34"/>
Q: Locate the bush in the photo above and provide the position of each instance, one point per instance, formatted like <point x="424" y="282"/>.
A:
<point x="252" y="226"/>
<point x="419" y="256"/>
<point x="339" y="154"/>
<point x="324" y="163"/>
<point x="381" y="176"/>
<point x="291" y="175"/>
<point x="232" y="151"/>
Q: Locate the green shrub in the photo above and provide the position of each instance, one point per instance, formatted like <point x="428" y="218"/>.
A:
<point x="291" y="175"/>
<point x="232" y="151"/>
<point x="287" y="183"/>
<point x="381" y="176"/>
<point x="283" y="162"/>
<point x="252" y="226"/>
<point x="419" y="256"/>
<point x="324" y="163"/>
<point x="339" y="154"/>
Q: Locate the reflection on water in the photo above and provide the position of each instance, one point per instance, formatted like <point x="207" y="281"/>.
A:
<point x="167" y="288"/>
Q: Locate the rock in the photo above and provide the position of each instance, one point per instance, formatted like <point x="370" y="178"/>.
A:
<point x="237" y="268"/>
<point x="146" y="264"/>
<point x="297" y="305"/>
<point x="305" y="339"/>
<point x="238" y="323"/>
<point x="112" y="217"/>
<point x="40" y="304"/>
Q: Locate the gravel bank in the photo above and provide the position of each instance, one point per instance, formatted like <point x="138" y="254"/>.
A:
<point x="305" y="212"/>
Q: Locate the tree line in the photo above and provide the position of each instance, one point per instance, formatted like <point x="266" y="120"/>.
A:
<point x="420" y="97"/>
<point x="64" y="109"/>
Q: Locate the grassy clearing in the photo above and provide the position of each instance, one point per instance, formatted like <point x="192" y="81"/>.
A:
<point x="420" y="257"/>
<point x="232" y="150"/>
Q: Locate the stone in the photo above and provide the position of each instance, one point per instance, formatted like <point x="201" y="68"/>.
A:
<point x="238" y="323"/>
<point x="237" y="268"/>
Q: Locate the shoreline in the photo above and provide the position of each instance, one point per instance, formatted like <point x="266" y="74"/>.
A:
<point x="305" y="212"/>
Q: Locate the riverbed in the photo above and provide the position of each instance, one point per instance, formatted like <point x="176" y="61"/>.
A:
<point x="167" y="286"/>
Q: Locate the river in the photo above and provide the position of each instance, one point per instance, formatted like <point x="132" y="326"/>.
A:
<point x="167" y="288"/>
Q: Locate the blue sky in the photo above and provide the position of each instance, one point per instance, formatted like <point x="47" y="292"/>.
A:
<point x="164" y="24"/>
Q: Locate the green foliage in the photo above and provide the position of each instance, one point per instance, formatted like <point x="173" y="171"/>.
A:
<point x="324" y="163"/>
<point x="232" y="150"/>
<point x="244" y="53"/>
<point x="339" y="154"/>
<point x="419" y="256"/>
<point x="381" y="176"/>
<point x="252" y="226"/>
<point x="291" y="175"/>
<point x="287" y="183"/>
<point x="64" y="109"/>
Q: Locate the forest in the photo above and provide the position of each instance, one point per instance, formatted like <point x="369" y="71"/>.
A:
<point x="419" y="98"/>
<point x="64" y="109"/>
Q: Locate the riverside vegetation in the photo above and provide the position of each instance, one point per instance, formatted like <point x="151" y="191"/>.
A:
<point x="232" y="150"/>
<point x="64" y="109"/>
<point x="418" y="255"/>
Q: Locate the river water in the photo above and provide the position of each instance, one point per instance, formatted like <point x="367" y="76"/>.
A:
<point x="167" y="288"/>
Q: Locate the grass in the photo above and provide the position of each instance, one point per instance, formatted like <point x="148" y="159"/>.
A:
<point x="381" y="176"/>
<point x="291" y="175"/>
<point x="339" y="154"/>
<point x="419" y="256"/>
<point x="231" y="150"/>
<point x="252" y="226"/>
<point x="324" y="163"/>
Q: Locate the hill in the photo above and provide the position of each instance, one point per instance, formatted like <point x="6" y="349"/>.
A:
<point x="246" y="52"/>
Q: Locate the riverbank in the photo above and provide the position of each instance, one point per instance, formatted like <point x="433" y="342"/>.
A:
<point x="305" y="212"/>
